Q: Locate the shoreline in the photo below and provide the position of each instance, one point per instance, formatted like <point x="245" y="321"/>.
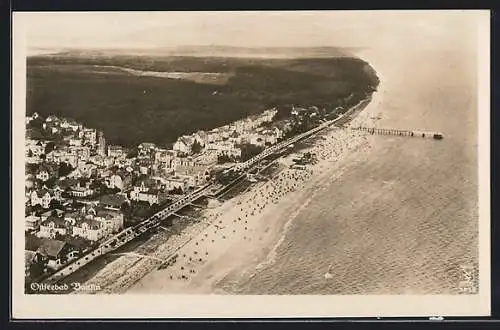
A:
<point x="138" y="271"/>
<point x="241" y="257"/>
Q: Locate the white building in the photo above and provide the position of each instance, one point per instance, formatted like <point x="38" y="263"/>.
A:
<point x="145" y="149"/>
<point x="41" y="197"/>
<point x="52" y="226"/>
<point x="80" y="191"/>
<point x="201" y="137"/>
<point x="184" y="144"/>
<point x="258" y="140"/>
<point x="94" y="224"/>
<point x="37" y="148"/>
<point x="75" y="142"/>
<point x="89" y="229"/>
<point x="116" y="151"/>
<point x="227" y="148"/>
<point x="176" y="182"/>
<point x="147" y="191"/>
<point x="120" y="180"/>
<point x="32" y="223"/>
<point x="90" y="135"/>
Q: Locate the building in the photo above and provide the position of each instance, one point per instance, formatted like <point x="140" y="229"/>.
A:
<point x="94" y="224"/>
<point x="55" y="251"/>
<point x="81" y="153"/>
<point x="81" y="192"/>
<point x="116" y="151"/>
<point x="201" y="137"/>
<point x="175" y="182"/>
<point x="207" y="159"/>
<point x="53" y="226"/>
<point x="111" y="219"/>
<point x="165" y="157"/>
<point x="57" y="193"/>
<point x="101" y="146"/>
<point x="121" y="180"/>
<point x="46" y="171"/>
<point x="89" y="229"/>
<point x="36" y="147"/>
<point x="32" y="223"/>
<point x="52" y="119"/>
<point x="62" y="155"/>
<point x="146" y="149"/>
<point x="269" y="114"/>
<point x="284" y="127"/>
<point x="278" y="132"/>
<point x="144" y="165"/>
<point x="227" y="148"/>
<point x="75" y="142"/>
<point x="258" y="140"/>
<point x="203" y="161"/>
<point x="41" y="197"/>
<point x="113" y="201"/>
<point x="152" y="196"/>
<point x="90" y="136"/>
<point x="184" y="144"/>
<point x="148" y="191"/>
<point x="235" y="138"/>
<point x="194" y="176"/>
<point x="45" y="215"/>
<point x="85" y="169"/>
<point x="34" y="116"/>
<point x="69" y="124"/>
<point x="100" y="161"/>
<point x="65" y="184"/>
<point x="213" y="136"/>
<point x="270" y="137"/>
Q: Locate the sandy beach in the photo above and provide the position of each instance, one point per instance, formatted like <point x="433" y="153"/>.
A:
<point x="242" y="234"/>
<point x="242" y="245"/>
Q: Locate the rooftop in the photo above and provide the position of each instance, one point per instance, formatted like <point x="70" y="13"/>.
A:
<point x="51" y="247"/>
<point x="113" y="200"/>
<point x="59" y="222"/>
<point x="91" y="223"/>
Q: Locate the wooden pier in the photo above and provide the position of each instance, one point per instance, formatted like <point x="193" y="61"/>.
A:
<point x="399" y="132"/>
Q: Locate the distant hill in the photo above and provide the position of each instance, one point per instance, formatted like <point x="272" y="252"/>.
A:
<point x="207" y="51"/>
<point x="131" y="109"/>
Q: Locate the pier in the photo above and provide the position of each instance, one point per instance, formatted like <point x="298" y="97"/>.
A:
<point x="399" y="132"/>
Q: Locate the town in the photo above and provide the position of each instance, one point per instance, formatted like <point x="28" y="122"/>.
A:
<point x="80" y="191"/>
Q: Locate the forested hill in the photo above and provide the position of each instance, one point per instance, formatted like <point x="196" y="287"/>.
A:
<point x="136" y="108"/>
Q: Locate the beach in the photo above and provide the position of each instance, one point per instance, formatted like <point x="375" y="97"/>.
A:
<point x="402" y="218"/>
<point x="238" y="236"/>
<point x="374" y="215"/>
<point x="245" y="230"/>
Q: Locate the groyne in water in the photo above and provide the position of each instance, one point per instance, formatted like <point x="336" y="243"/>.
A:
<point x="399" y="132"/>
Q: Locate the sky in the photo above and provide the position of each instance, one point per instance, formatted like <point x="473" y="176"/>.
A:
<point x="248" y="29"/>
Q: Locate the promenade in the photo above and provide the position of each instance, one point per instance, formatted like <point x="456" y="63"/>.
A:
<point x="131" y="233"/>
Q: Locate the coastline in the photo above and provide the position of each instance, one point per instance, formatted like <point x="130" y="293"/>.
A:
<point x="241" y="253"/>
<point x="208" y="262"/>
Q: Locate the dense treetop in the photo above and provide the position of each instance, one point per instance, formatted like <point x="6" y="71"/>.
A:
<point x="131" y="109"/>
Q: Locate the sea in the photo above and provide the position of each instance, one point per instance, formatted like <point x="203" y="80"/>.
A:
<point x="403" y="217"/>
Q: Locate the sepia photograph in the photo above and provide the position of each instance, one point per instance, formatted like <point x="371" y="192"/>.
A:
<point x="251" y="164"/>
